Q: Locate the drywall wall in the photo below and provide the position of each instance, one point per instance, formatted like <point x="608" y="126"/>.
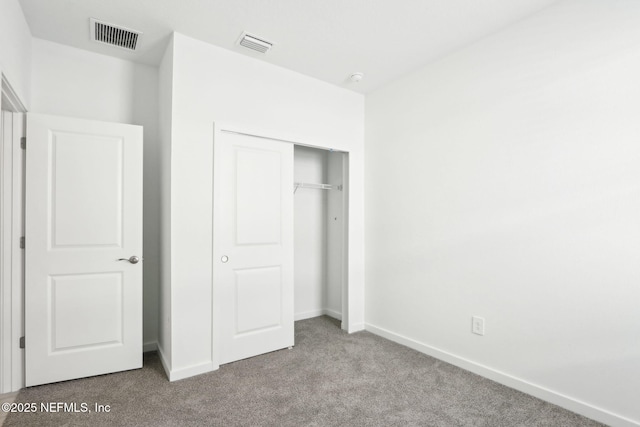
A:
<point x="210" y="85"/>
<point x="503" y="182"/>
<point x="310" y="233"/>
<point x="145" y="102"/>
<point x="72" y="82"/>
<point x="165" y="105"/>
<point x="15" y="49"/>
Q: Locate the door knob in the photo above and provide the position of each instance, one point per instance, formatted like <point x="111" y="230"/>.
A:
<point x="224" y="258"/>
<point x="132" y="259"/>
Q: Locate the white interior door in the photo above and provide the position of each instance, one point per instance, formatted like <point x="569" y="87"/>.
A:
<point x="83" y="306"/>
<point x="253" y="245"/>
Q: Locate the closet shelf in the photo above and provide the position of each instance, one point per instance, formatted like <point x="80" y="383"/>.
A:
<point x="297" y="185"/>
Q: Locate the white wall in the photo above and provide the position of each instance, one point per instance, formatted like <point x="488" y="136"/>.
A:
<point x="212" y="84"/>
<point x="503" y="181"/>
<point x="72" y="82"/>
<point x="310" y="233"/>
<point x="165" y="105"/>
<point x="15" y="49"/>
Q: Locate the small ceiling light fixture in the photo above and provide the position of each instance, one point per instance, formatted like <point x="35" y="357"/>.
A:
<point x="356" y="77"/>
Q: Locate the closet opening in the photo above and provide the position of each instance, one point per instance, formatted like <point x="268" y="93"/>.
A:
<point x="320" y="233"/>
<point x="280" y="247"/>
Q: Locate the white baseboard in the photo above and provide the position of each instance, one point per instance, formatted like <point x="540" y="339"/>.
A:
<point x="332" y="313"/>
<point x="316" y="313"/>
<point x="524" y="386"/>
<point x="186" y="372"/>
<point x="165" y="363"/>
<point x="150" y="346"/>
<point x="192" y="371"/>
<point x="357" y="327"/>
<point x="308" y="314"/>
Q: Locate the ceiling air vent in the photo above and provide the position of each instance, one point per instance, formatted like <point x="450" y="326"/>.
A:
<point x="254" y="43"/>
<point x="114" y="35"/>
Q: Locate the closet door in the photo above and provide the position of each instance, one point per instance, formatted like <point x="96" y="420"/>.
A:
<point x="253" y="245"/>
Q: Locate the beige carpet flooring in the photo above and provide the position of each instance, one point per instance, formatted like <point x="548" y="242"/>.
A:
<point x="329" y="378"/>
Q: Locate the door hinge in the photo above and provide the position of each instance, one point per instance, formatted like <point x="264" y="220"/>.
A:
<point x="21" y="342"/>
<point x="23" y="142"/>
<point x="22" y="242"/>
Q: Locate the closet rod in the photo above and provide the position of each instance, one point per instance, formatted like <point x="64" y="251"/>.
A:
<point x="297" y="185"/>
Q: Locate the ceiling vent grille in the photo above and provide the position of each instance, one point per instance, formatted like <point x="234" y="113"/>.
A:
<point x="254" y="43"/>
<point x="114" y="35"/>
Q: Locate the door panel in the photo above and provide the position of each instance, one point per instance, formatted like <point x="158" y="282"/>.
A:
<point x="258" y="299"/>
<point x="258" y="176"/>
<point x="86" y="310"/>
<point x="96" y="180"/>
<point x="83" y="305"/>
<point x="253" y="229"/>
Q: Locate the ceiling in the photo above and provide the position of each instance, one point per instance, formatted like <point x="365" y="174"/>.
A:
<point x="325" y="39"/>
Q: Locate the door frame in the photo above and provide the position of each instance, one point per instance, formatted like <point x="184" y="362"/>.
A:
<point x="11" y="229"/>
<point x="220" y="128"/>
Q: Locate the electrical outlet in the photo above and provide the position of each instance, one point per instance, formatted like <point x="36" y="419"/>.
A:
<point x="477" y="325"/>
